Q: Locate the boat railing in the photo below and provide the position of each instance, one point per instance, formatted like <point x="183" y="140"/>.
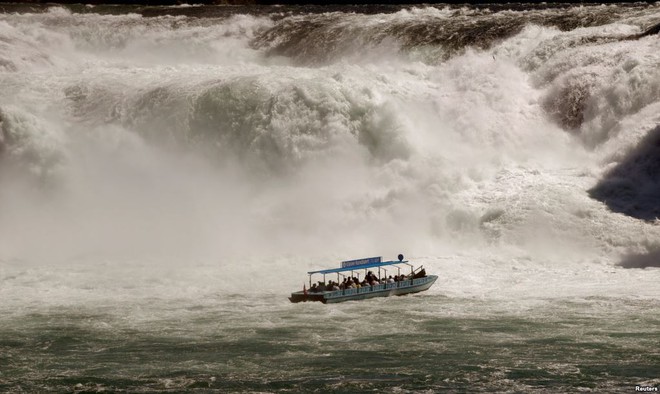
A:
<point x="336" y="293"/>
<point x="349" y="291"/>
<point x="379" y="287"/>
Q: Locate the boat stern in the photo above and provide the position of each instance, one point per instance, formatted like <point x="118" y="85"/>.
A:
<point x="300" y="296"/>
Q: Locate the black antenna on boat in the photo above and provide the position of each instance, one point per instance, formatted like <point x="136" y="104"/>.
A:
<point x="400" y="257"/>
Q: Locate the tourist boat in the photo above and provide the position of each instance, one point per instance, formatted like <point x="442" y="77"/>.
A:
<point x="414" y="282"/>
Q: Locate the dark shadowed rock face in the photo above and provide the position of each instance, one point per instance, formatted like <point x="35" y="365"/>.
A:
<point x="633" y="186"/>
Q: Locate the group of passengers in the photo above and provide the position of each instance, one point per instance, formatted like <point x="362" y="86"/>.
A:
<point x="354" y="283"/>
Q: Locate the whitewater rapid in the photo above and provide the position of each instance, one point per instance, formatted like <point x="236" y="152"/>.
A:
<point x="176" y="151"/>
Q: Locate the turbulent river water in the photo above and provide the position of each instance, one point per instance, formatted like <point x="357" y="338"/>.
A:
<point x="169" y="174"/>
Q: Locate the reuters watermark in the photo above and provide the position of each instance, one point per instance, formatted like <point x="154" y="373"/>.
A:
<point x="646" y="389"/>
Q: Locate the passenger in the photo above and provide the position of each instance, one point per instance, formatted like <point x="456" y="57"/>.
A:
<point x="390" y="280"/>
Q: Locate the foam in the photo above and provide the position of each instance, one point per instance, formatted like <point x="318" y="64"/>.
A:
<point x="167" y="144"/>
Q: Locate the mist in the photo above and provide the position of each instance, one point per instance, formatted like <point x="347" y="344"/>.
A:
<point x="174" y="142"/>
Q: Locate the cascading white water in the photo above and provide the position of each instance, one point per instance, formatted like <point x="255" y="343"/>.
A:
<point x="174" y="141"/>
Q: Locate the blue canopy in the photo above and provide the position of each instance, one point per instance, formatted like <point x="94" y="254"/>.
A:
<point x="358" y="267"/>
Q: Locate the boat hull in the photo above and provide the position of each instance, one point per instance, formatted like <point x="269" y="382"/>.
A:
<point x="385" y="290"/>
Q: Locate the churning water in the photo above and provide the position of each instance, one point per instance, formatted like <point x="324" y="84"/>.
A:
<point x="168" y="175"/>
